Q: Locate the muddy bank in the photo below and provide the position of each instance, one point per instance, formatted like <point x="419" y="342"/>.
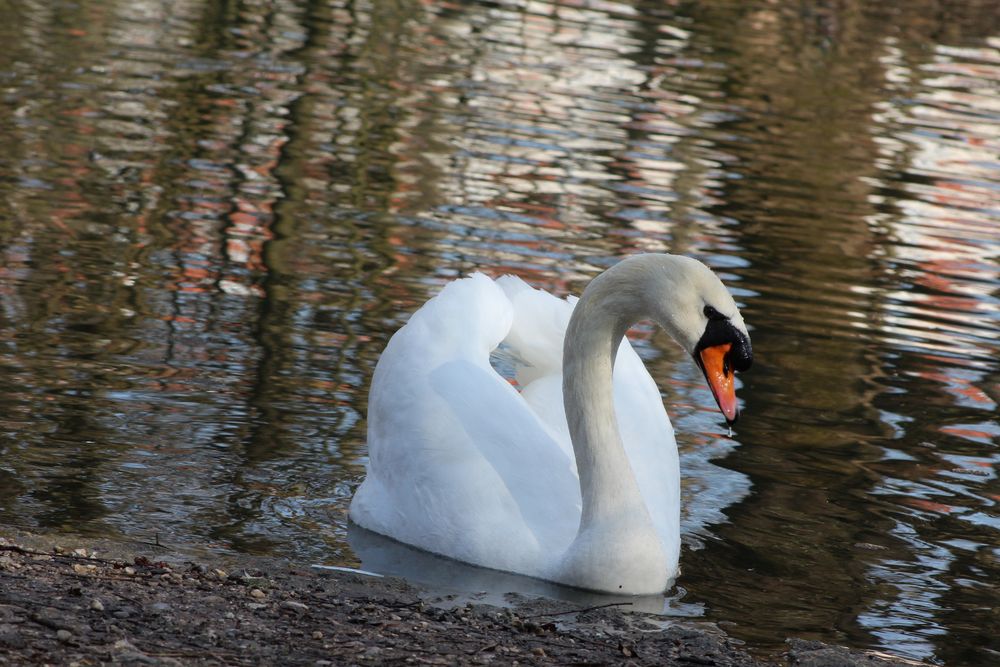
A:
<point x="62" y="603"/>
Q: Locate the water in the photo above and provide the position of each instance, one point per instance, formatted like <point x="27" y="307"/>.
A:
<point x="215" y="214"/>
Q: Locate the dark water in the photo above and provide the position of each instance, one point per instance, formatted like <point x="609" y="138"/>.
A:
<point x="214" y="214"/>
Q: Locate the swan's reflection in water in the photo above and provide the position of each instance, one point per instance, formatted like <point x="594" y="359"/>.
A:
<point x="452" y="583"/>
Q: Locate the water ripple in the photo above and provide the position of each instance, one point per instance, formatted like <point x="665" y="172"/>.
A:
<point x="215" y="219"/>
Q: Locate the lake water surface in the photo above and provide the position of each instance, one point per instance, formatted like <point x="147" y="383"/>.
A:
<point x="214" y="215"/>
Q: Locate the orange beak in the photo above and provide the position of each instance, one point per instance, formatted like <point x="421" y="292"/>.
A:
<point x="720" y="376"/>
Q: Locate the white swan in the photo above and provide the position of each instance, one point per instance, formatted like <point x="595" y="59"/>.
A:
<point x="463" y="465"/>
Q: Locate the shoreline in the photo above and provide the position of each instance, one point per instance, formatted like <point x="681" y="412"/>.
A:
<point x="72" y="600"/>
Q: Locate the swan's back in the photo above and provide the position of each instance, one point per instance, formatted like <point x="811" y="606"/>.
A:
<point x="462" y="464"/>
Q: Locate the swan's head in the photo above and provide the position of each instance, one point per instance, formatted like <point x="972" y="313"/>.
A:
<point x="684" y="297"/>
<point x="693" y="305"/>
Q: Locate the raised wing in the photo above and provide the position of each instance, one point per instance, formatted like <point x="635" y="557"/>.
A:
<point x="458" y="462"/>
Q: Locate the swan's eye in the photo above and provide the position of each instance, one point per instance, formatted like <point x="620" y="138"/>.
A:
<point x="712" y="314"/>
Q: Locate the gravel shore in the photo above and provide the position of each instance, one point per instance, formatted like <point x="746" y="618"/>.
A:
<point x="63" y="604"/>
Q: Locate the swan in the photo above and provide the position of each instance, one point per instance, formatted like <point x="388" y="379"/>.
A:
<point x="571" y="476"/>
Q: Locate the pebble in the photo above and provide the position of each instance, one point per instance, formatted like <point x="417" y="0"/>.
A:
<point x="81" y="552"/>
<point x="97" y="605"/>
<point x="80" y="568"/>
<point x="129" y="570"/>
<point x="257" y="593"/>
<point x="317" y="634"/>
<point x="220" y="574"/>
<point x="11" y="636"/>
<point x="539" y="651"/>
<point x="295" y="606"/>
<point x="253" y="581"/>
<point x="64" y="635"/>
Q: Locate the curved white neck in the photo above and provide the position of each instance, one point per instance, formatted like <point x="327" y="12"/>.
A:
<point x="609" y="305"/>
<point x="616" y="547"/>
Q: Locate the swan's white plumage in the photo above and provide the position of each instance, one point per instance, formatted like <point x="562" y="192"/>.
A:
<point x="464" y="465"/>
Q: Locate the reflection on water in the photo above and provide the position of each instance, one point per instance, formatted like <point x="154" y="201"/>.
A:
<point x="215" y="215"/>
<point x="459" y="583"/>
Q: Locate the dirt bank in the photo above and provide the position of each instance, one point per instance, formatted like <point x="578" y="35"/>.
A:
<point x="65" y="605"/>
